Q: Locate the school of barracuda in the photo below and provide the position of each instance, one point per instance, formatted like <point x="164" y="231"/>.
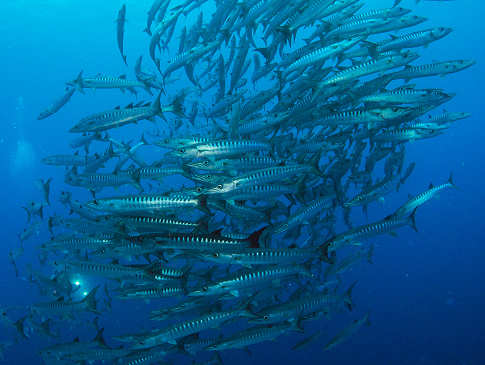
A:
<point x="246" y="233"/>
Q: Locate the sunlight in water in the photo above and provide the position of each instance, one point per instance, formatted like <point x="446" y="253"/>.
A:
<point x="23" y="158"/>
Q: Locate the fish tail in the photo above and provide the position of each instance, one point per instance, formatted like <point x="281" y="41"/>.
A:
<point x="450" y="180"/>
<point x="78" y="82"/>
<point x="203" y="204"/>
<point x="412" y="220"/>
<point x="348" y="296"/>
<point x="90" y="301"/>
<point x="178" y="105"/>
<point x="255" y="236"/>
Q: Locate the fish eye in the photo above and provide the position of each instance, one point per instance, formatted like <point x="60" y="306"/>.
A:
<point x="206" y="163"/>
<point x="266" y="318"/>
<point x="215" y="254"/>
<point x="204" y="288"/>
<point x="95" y="202"/>
<point x="219" y="186"/>
<point x="395" y="109"/>
<point x="182" y="150"/>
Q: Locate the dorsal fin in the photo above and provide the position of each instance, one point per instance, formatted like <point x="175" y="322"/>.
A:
<point x="123" y="77"/>
<point x="60" y="299"/>
<point x="393" y="37"/>
<point x="117" y="107"/>
<point x="129" y="106"/>
<point x="431" y="186"/>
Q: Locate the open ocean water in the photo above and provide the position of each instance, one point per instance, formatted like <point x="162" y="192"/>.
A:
<point x="424" y="292"/>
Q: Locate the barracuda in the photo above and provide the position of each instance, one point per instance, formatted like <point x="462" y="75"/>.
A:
<point x="119" y="117"/>
<point x="322" y="54"/>
<point x="147" y="204"/>
<point x="406" y="96"/>
<point x="356" y="235"/>
<point x="179" y="330"/>
<point x="252" y="336"/>
<point x="306" y="306"/>
<point x="263" y="177"/>
<point x="213" y="242"/>
<point x="433" y="69"/>
<point x="250" y="279"/>
<point x="76" y="243"/>
<point x="68" y="308"/>
<point x="105" y="82"/>
<point x="415" y="202"/>
<point x="263" y="256"/>
<point x="221" y="149"/>
<point x="150" y="293"/>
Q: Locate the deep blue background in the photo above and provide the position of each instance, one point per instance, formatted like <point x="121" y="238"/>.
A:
<point x="425" y="291"/>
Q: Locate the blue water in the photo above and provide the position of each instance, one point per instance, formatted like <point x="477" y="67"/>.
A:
<point x="425" y="291"/>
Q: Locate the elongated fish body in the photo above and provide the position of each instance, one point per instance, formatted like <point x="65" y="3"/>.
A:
<point x="67" y="160"/>
<point x="148" y="204"/>
<point x="77" y="243"/>
<point x="347" y="332"/>
<point x="259" y="192"/>
<point x="264" y="256"/>
<point x="304" y="215"/>
<point x="322" y="54"/>
<point x="415" y="202"/>
<point x="105" y="82"/>
<point x="150" y="292"/>
<point x="113" y="119"/>
<point x="120" y="32"/>
<point x="402" y="135"/>
<point x="187" y="57"/>
<point x="152" y="12"/>
<point x="448" y="117"/>
<point x="250" y="279"/>
<point x="357" y="28"/>
<point x="97" y="354"/>
<point x="238" y="164"/>
<point x="433" y="69"/>
<point x="415" y="39"/>
<point x="406" y="96"/>
<point x="109" y="271"/>
<point x="57" y="104"/>
<point x="251" y="336"/>
<point x="145" y="224"/>
<point x="262" y="177"/>
<point x="302" y="307"/>
<point x="357" y="234"/>
<point x="99" y="181"/>
<point x="145" y="357"/>
<point x="186" y="328"/>
<point x="222" y="149"/>
<point x="211" y="242"/>
<point x="157" y="173"/>
<point x="368" y="68"/>
<point x="373" y="193"/>
<point x="67" y="308"/>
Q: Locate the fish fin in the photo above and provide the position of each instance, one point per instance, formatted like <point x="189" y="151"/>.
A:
<point x="412" y="220"/>
<point x="234" y="293"/>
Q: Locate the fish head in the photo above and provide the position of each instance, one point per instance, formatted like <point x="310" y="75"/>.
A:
<point x="222" y="188"/>
<point x="441" y="32"/>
